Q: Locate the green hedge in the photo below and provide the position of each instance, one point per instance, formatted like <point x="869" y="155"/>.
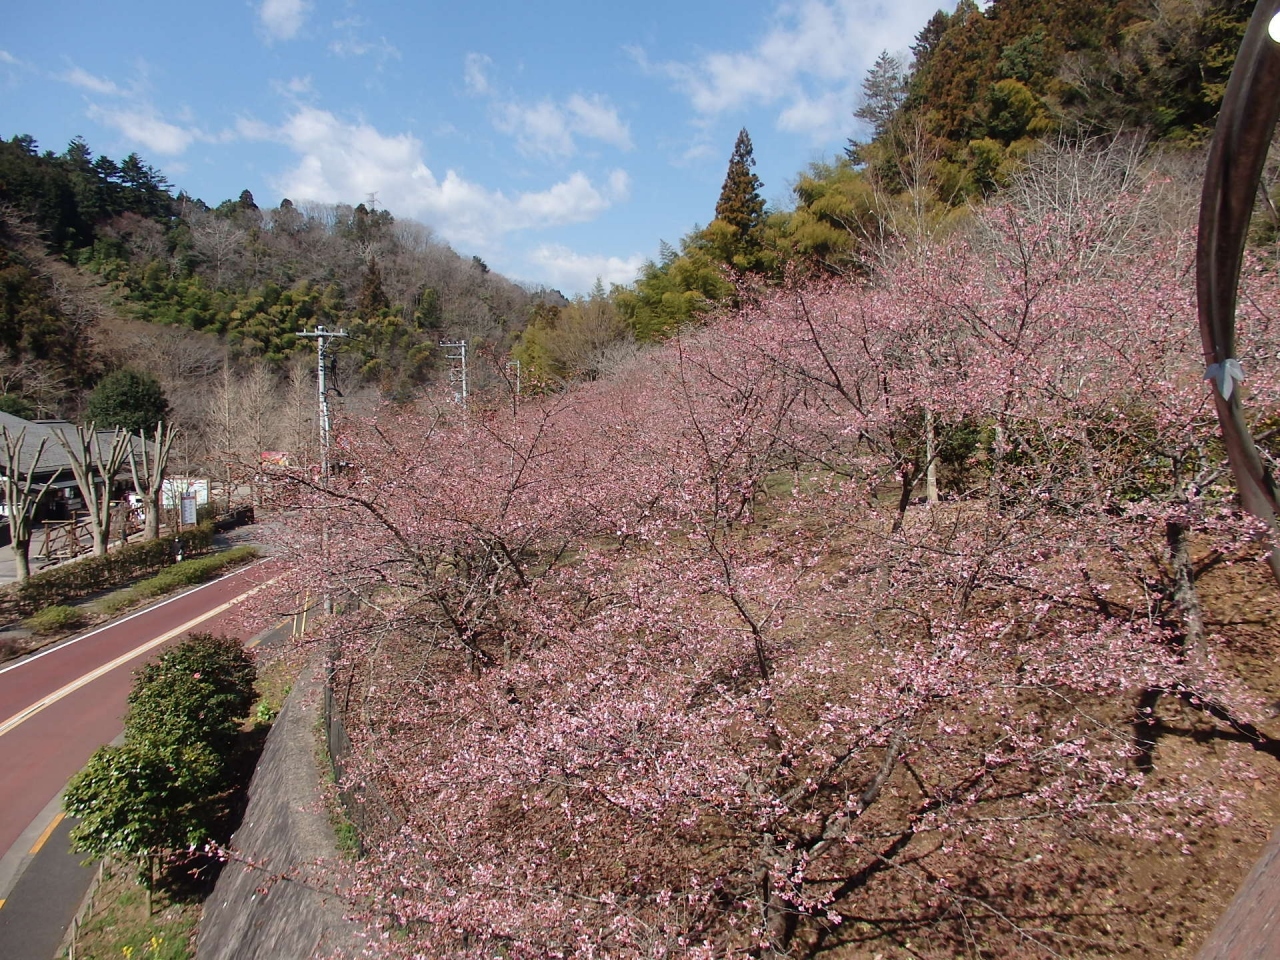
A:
<point x="185" y="574"/>
<point x="85" y="577"/>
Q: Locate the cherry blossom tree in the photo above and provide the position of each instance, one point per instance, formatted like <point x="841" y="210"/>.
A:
<point x="651" y="668"/>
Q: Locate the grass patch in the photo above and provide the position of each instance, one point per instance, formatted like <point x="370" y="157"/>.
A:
<point x="188" y="573"/>
<point x="54" y="619"/>
<point x="119" y="927"/>
<point x="346" y="836"/>
<point x="277" y="670"/>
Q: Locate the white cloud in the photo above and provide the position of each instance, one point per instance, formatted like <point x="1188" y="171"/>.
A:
<point x="87" y="81"/>
<point x="383" y="49"/>
<point x="539" y="129"/>
<point x="351" y="44"/>
<point x="339" y="161"/>
<point x="9" y="58"/>
<point x="569" y="270"/>
<point x="294" y="86"/>
<point x="145" y="127"/>
<point x="597" y="119"/>
<point x="548" y="129"/>
<point x="808" y="115"/>
<point x="810" y="62"/>
<point x="251" y="129"/>
<point x="475" y="73"/>
<point x="577" y="197"/>
<point x="282" y="19"/>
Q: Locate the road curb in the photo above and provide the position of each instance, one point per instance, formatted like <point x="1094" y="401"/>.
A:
<point x="13" y="863"/>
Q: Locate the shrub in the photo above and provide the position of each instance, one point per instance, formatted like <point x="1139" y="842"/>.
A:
<point x="162" y="790"/>
<point x="184" y="574"/>
<point x="197" y="693"/>
<point x="134" y="800"/>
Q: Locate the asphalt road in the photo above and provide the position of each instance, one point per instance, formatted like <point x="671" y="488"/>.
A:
<point x="56" y="708"/>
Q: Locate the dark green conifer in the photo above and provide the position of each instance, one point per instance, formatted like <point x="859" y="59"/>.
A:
<point x="740" y="204"/>
<point x="373" y="299"/>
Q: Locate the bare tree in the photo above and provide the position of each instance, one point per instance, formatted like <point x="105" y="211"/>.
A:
<point x="1085" y="187"/>
<point x="218" y="241"/>
<point x="298" y="423"/>
<point x="148" y="471"/>
<point x="21" y="493"/>
<point x="94" y="475"/>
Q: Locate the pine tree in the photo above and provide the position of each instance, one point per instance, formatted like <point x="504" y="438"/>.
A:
<point x="740" y="204"/>
<point x="883" y="90"/>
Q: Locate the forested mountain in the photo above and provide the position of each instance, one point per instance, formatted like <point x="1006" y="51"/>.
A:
<point x="90" y="248"/>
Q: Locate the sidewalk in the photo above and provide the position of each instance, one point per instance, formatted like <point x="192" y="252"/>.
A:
<point x="9" y="566"/>
<point x="14" y="634"/>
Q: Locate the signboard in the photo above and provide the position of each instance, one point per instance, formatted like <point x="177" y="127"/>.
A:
<point x="188" y="508"/>
<point x="178" y="488"/>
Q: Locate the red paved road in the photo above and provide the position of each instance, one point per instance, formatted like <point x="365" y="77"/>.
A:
<point x="39" y="754"/>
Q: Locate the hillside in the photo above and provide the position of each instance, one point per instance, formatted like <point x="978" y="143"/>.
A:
<point x="959" y="122"/>
<point x="104" y="263"/>
<point x="866" y="620"/>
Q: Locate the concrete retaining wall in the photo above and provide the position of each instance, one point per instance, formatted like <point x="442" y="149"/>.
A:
<point x="276" y="908"/>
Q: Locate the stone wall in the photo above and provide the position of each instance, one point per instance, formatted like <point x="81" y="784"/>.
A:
<point x="278" y="907"/>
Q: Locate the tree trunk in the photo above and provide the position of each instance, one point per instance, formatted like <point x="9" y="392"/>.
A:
<point x="100" y="528"/>
<point x="20" y="493"/>
<point x="21" y="551"/>
<point x="1184" y="593"/>
<point x="90" y="469"/>
<point x="151" y="517"/>
<point x="148" y="475"/>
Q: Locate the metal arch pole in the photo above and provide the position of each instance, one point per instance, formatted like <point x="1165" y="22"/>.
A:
<point x="1246" y="122"/>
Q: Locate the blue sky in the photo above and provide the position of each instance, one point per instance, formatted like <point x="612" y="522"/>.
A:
<point x="560" y="142"/>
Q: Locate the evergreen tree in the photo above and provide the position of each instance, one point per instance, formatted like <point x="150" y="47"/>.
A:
<point x="740" y="204"/>
<point x="883" y="90"/>
<point x="927" y="40"/>
<point x="17" y="405"/>
<point x="373" y="299"/>
<point x="128" y="399"/>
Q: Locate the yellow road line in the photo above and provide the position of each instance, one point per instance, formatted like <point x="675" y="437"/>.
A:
<point x="49" y="700"/>
<point x="2" y="904"/>
<point x="48" y="832"/>
<point x="266" y="633"/>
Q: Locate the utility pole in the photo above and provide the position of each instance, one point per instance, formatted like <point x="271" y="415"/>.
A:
<point x="458" y="373"/>
<point x="322" y="336"/>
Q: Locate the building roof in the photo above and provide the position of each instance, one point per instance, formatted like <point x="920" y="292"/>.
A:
<point x="54" y="458"/>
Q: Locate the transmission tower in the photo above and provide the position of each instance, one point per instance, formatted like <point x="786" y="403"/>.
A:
<point x="456" y="351"/>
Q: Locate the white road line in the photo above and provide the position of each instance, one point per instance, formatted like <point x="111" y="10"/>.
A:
<point x="119" y="661"/>
<point x="49" y="651"/>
